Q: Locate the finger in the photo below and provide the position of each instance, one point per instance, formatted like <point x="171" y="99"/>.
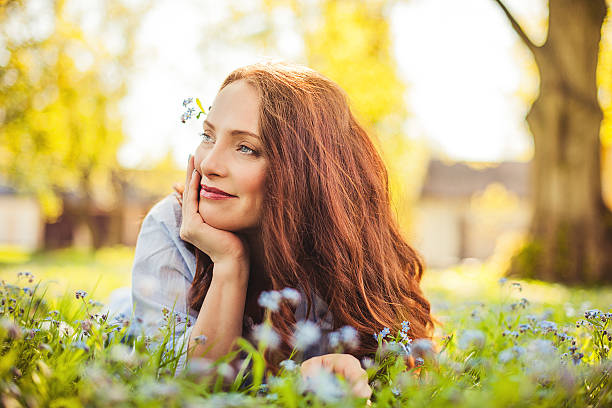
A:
<point x="348" y="366"/>
<point x="178" y="198"/>
<point x="356" y="376"/>
<point x="190" y="168"/>
<point x="179" y="188"/>
<point x="311" y="366"/>
<point x="352" y="371"/>
<point x="362" y="390"/>
<point x="190" y="201"/>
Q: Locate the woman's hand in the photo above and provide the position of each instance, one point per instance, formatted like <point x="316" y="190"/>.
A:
<point x="219" y="245"/>
<point x="344" y="364"/>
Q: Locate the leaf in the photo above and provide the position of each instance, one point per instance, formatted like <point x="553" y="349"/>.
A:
<point x="200" y="106"/>
<point x="259" y="364"/>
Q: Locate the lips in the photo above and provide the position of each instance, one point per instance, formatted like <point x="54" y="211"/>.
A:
<point x="215" y="191"/>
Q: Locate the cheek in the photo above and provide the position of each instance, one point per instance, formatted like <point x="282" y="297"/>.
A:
<point x="255" y="182"/>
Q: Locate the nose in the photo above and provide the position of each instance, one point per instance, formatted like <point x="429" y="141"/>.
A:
<point x="213" y="163"/>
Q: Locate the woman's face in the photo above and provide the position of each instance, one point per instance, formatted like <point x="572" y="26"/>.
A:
<point x="230" y="158"/>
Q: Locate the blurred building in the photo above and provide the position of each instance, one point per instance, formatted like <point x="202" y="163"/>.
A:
<point x="112" y="226"/>
<point x="101" y="224"/>
<point x="464" y="210"/>
<point x="84" y="221"/>
<point x="21" y="223"/>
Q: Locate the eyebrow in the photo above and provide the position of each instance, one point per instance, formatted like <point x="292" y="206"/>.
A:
<point x="233" y="132"/>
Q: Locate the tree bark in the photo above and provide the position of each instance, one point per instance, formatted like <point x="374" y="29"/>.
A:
<point x="116" y="215"/>
<point x="570" y="237"/>
<point x="87" y="210"/>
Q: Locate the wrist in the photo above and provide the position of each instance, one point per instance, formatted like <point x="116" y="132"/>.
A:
<point x="235" y="258"/>
<point x="233" y="270"/>
<point x="228" y="252"/>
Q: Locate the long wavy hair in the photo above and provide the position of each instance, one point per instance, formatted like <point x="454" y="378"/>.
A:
<point x="327" y="224"/>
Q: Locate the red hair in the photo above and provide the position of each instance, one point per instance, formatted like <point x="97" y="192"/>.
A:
<point x="327" y="224"/>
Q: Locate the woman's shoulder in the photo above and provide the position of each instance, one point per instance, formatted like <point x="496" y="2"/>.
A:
<point x="160" y="236"/>
<point x="166" y="212"/>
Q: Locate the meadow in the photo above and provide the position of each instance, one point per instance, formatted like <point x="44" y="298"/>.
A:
<point x="500" y="342"/>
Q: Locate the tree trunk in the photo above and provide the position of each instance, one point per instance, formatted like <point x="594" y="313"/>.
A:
<point x="116" y="219"/>
<point x="87" y="211"/>
<point x="570" y="238"/>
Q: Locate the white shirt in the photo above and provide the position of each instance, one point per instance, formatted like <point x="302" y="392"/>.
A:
<point x="162" y="274"/>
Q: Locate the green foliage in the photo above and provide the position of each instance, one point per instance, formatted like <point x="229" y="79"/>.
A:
<point x="527" y="259"/>
<point x="60" y="127"/>
<point x="58" y="351"/>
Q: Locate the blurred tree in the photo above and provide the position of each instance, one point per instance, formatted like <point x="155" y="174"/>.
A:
<point x="62" y="75"/>
<point x="571" y="230"/>
<point x="604" y="80"/>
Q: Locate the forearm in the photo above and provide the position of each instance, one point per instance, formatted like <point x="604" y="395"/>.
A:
<point x="220" y="317"/>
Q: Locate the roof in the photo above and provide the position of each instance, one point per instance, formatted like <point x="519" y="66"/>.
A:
<point x="461" y="180"/>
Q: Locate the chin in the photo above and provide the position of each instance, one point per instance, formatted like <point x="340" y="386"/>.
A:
<point x="223" y="222"/>
<point x="219" y="223"/>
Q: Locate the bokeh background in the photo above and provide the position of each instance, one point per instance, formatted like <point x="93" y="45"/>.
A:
<point x="454" y="92"/>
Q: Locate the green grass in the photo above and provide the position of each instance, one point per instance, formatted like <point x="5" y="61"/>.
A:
<point x="69" y="270"/>
<point x="499" y="345"/>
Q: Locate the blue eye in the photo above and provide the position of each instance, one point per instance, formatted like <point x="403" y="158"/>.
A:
<point x="206" y="138"/>
<point x="203" y="135"/>
<point x="250" y="151"/>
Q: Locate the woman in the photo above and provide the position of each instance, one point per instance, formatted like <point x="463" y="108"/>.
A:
<point x="286" y="189"/>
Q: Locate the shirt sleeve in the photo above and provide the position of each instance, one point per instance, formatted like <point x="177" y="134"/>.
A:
<point x="160" y="285"/>
<point x="322" y="317"/>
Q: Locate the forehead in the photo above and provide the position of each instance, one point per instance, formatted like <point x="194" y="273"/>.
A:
<point x="236" y="106"/>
